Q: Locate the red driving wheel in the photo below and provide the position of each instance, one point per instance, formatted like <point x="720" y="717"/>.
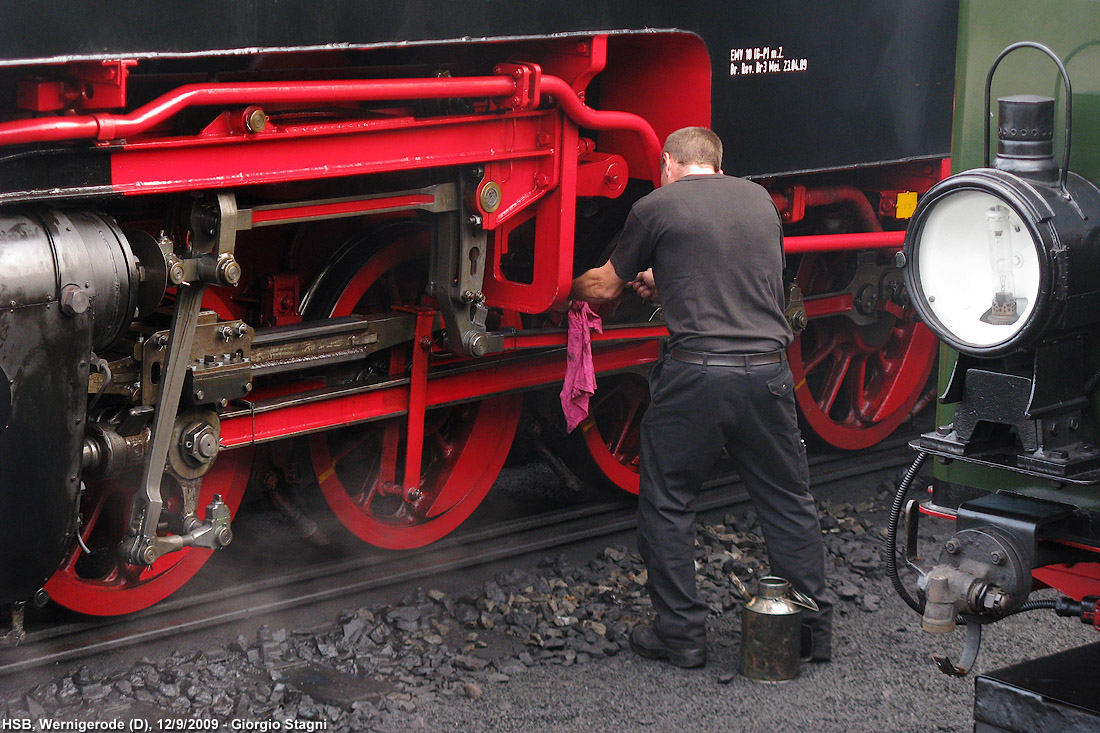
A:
<point x="855" y="384"/>
<point x="359" y="469"/>
<point x="99" y="582"/>
<point x="611" y="432"/>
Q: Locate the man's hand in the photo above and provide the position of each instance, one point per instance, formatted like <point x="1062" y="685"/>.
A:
<point x="645" y="286"/>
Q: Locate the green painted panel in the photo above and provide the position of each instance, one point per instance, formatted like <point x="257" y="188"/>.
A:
<point x="1070" y="28"/>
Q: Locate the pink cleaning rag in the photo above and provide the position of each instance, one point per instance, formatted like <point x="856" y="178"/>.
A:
<point x="580" y="373"/>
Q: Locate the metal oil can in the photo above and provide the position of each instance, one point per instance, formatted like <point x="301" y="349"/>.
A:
<point x="771" y="630"/>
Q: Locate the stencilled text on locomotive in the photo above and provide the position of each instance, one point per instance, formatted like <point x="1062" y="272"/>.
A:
<point x="763" y="60"/>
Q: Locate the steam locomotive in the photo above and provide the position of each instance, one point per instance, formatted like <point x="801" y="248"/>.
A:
<point x="322" y="245"/>
<point x="1002" y="261"/>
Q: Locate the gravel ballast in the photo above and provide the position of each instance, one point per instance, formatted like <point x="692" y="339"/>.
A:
<point x="543" y="647"/>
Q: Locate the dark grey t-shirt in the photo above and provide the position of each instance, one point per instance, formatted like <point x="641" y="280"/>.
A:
<point x="715" y="244"/>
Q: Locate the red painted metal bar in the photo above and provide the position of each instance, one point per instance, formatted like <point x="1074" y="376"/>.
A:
<point x="558" y="337"/>
<point x="828" y="305"/>
<point x="142" y="119"/>
<point x="418" y="393"/>
<point x="324" y="151"/>
<point x="273" y="215"/>
<point x="585" y="116"/>
<point x="837" y="242"/>
<point x="308" y="416"/>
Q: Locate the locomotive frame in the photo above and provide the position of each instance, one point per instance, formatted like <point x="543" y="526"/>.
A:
<point x="295" y="225"/>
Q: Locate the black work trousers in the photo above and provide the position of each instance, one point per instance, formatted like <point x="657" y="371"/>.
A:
<point x="694" y="412"/>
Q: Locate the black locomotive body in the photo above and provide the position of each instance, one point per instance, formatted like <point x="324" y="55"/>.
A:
<point x="320" y="246"/>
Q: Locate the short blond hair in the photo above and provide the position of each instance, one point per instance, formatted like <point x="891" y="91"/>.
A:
<point x="694" y="146"/>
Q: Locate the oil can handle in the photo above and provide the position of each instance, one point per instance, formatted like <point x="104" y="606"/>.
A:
<point x="801" y="599"/>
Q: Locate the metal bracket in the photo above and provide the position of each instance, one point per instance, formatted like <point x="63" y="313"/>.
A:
<point x="140" y="546"/>
<point x="214" y="226"/>
<point x="969" y="656"/>
<point x="457" y="271"/>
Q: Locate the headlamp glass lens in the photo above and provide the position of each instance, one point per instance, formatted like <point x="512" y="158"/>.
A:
<point x="979" y="268"/>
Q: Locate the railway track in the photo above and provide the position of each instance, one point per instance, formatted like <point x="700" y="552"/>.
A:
<point x="345" y="577"/>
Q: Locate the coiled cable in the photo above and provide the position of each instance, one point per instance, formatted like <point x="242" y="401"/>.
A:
<point x="892" y="535"/>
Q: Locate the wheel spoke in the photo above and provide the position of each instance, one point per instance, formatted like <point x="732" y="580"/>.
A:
<point x="857" y="388"/>
<point x="625" y="428"/>
<point x="824" y="350"/>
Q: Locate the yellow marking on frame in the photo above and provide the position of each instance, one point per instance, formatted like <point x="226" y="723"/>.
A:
<point x="906" y="205"/>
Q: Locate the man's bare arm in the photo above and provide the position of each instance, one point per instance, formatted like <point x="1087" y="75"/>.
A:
<point x="598" y="285"/>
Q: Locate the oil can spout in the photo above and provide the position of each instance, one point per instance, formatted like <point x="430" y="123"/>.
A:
<point x="740" y="588"/>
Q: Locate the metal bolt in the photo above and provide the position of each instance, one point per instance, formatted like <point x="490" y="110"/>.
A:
<point x="201" y="443"/>
<point x="255" y="120"/>
<point x="223" y="536"/>
<point x="228" y="270"/>
<point x="997" y="557"/>
<point x="952" y="546"/>
<point x="491" y="196"/>
<point x="74" y="300"/>
<point x="414" y="495"/>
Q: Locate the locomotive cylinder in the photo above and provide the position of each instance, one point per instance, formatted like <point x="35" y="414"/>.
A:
<point x="69" y="286"/>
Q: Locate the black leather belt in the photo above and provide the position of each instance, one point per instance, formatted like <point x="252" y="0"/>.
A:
<point x="741" y="360"/>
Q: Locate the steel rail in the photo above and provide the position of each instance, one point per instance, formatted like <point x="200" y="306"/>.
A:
<point x="321" y="583"/>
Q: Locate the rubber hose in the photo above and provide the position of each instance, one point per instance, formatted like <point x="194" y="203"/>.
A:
<point x="892" y="535"/>
<point x="1035" y="606"/>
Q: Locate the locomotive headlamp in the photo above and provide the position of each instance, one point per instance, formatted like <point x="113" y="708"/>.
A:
<point x="997" y="258"/>
<point x="977" y="267"/>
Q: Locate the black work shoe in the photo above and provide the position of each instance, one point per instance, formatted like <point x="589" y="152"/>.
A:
<point x="815" y="647"/>
<point x="645" y="642"/>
